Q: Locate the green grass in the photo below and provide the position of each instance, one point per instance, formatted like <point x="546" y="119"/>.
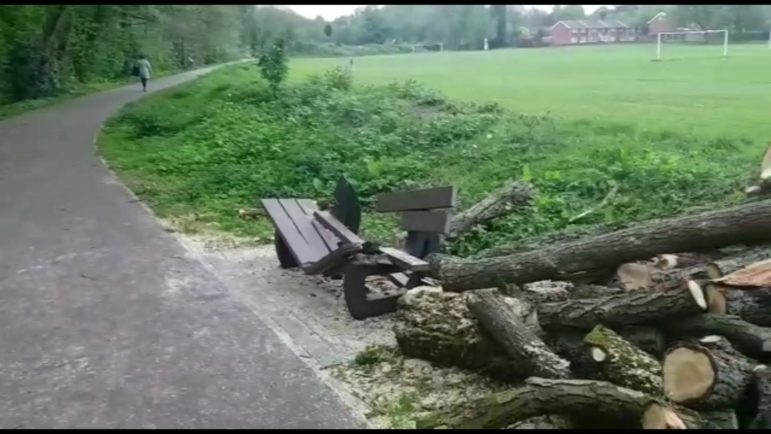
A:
<point x="693" y="90"/>
<point x="200" y="152"/>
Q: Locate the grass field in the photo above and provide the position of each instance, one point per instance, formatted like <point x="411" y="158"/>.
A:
<point x="693" y="90"/>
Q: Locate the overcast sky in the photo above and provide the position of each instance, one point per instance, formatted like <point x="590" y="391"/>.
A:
<point x="330" y="12"/>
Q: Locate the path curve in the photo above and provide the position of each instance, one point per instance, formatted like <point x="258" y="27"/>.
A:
<point x="105" y="321"/>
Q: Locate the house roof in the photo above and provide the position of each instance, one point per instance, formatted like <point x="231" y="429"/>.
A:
<point x="591" y="24"/>
<point x="655" y="17"/>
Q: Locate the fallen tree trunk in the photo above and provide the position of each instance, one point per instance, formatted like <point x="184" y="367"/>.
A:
<point x="585" y="399"/>
<point x="747" y="223"/>
<point x="438" y="326"/>
<point x="513" y="195"/>
<point x="762" y="385"/>
<point x="710" y="375"/>
<point x="751" y="304"/>
<point x="750" y="339"/>
<point x="530" y="355"/>
<point x="622" y="309"/>
<point x="622" y="363"/>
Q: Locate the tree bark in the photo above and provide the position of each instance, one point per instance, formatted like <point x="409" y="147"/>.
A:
<point x="622" y="363"/>
<point x="678" y="278"/>
<point x="530" y="355"/>
<point x="513" y="195"/>
<point x="438" y="326"/>
<point x="720" y="419"/>
<point x="594" y="291"/>
<point x="569" y="344"/>
<point x="750" y="339"/>
<point x="721" y="267"/>
<point x="585" y="399"/>
<point x="751" y="304"/>
<point x="623" y="309"/>
<point x="762" y="386"/>
<point x="710" y="375"/>
<point x="544" y="422"/>
<point x="746" y="223"/>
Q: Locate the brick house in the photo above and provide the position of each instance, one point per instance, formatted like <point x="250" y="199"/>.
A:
<point x="659" y="23"/>
<point x="574" y="32"/>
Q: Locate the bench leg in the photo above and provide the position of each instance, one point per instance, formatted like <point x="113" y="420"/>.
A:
<point x="360" y="304"/>
<point x="285" y="257"/>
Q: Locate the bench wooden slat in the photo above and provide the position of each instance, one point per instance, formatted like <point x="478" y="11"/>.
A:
<point x="318" y="248"/>
<point x="440" y="197"/>
<point x="405" y="260"/>
<point x="332" y="260"/>
<point x="338" y="229"/>
<point x="309" y="206"/>
<point x="289" y="233"/>
<point x="427" y="221"/>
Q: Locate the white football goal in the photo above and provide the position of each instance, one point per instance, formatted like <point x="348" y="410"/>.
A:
<point x="692" y="38"/>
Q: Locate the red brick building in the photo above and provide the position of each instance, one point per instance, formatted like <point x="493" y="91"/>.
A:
<point x="575" y="32"/>
<point x="660" y="23"/>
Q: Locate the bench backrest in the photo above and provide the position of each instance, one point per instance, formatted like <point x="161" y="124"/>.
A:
<point x="425" y="215"/>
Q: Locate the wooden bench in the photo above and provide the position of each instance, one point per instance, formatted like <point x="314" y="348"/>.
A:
<point x="326" y="242"/>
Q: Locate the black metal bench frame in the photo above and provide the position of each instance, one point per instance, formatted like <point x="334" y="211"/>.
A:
<point x="327" y="242"/>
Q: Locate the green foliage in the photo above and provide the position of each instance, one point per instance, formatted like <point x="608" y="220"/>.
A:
<point x="217" y="144"/>
<point x="273" y="65"/>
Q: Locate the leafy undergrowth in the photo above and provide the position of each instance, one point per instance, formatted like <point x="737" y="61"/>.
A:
<point x="204" y="150"/>
<point x="398" y="390"/>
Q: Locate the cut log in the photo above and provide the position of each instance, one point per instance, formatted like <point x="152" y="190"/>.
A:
<point x="720" y="419"/>
<point x="438" y="326"/>
<point x="569" y="344"/>
<point x="669" y="261"/>
<point x="594" y="291"/>
<point x="658" y="416"/>
<point x="746" y="223"/>
<point x="677" y="278"/>
<point x="751" y="304"/>
<point x="584" y="399"/>
<point x="635" y="275"/>
<point x="530" y="355"/>
<point x="622" y="363"/>
<point x="546" y="291"/>
<point x="757" y="275"/>
<point x="710" y="375"/>
<point x="514" y="195"/>
<point x="750" y="339"/>
<point x="721" y="267"/>
<point x="762" y="387"/>
<point x="622" y="309"/>
<point x="649" y="339"/>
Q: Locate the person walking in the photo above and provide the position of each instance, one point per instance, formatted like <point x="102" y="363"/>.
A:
<point x="144" y="70"/>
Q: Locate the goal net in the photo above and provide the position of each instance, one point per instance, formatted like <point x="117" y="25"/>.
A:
<point x="702" y="43"/>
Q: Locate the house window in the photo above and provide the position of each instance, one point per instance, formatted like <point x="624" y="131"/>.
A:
<point x="573" y="40"/>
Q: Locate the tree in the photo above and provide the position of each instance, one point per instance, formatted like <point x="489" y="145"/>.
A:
<point x="273" y="65"/>
<point x="499" y="14"/>
<point x="328" y="30"/>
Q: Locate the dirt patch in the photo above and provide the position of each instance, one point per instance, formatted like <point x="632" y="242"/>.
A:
<point x="358" y="359"/>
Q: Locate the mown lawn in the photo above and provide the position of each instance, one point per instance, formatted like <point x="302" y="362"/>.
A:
<point x="693" y="90"/>
<point x="201" y="151"/>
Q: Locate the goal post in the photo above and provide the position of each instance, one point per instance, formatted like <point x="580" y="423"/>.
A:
<point x="690" y="35"/>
